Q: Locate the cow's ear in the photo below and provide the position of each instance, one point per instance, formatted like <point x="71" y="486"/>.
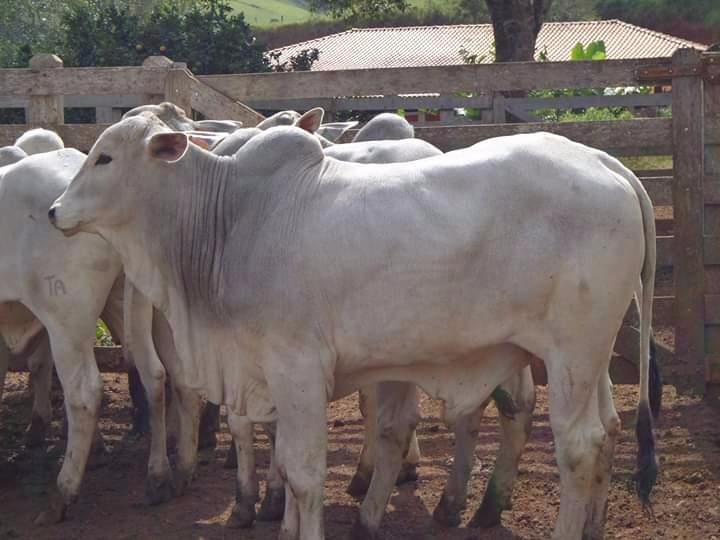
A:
<point x="168" y="146"/>
<point x="311" y="120"/>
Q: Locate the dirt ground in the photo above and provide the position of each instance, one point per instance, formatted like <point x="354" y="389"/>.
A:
<point x="111" y="505"/>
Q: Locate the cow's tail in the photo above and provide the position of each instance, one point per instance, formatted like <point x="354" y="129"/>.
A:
<point x="647" y="468"/>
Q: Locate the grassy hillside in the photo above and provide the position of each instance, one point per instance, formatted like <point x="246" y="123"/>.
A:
<point x="272" y="12"/>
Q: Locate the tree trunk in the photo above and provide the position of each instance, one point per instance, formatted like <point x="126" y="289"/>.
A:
<point x="516" y="24"/>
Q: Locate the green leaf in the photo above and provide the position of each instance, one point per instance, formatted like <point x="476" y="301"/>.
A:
<point x="577" y="52"/>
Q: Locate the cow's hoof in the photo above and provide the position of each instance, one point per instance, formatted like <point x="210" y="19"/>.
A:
<point x="360" y="531"/>
<point x="159" y="488"/>
<point x="55" y="512"/>
<point x="182" y="481"/>
<point x="272" y="506"/>
<point x="35" y="432"/>
<point x="488" y="515"/>
<point x="358" y="486"/>
<point x="231" y="459"/>
<point x="445" y="515"/>
<point x="242" y="515"/>
<point x="408" y="473"/>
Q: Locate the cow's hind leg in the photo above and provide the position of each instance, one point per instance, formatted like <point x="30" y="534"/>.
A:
<point x="209" y="425"/>
<point x="515" y="433"/>
<point x="82" y="385"/>
<point x="273" y="504"/>
<point x="40" y="366"/>
<point x="361" y="479"/>
<point x="573" y="377"/>
<point x="397" y="418"/>
<point x="246" y="484"/>
<point x="595" y="527"/>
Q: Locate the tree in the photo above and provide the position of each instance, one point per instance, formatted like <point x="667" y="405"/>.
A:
<point x="355" y="10"/>
<point x="516" y="24"/>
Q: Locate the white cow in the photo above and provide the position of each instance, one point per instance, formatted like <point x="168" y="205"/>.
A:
<point x="36" y="141"/>
<point x="385" y="126"/>
<point x="10" y="155"/>
<point x="176" y="118"/>
<point x="290" y="279"/>
<point x="52" y="291"/>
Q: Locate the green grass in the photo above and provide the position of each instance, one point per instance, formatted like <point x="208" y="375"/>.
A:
<point x="266" y="13"/>
<point x="269" y="13"/>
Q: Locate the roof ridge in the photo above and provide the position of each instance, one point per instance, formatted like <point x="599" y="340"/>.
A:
<point x="315" y="40"/>
<point x="660" y="35"/>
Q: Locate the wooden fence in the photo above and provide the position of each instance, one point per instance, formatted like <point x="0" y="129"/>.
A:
<point x="686" y="196"/>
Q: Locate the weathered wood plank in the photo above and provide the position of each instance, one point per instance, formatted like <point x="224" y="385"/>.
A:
<point x="627" y="344"/>
<point x="478" y="78"/>
<point x="687" y="121"/>
<point x="712" y="128"/>
<point x="81" y="81"/>
<point x="711" y="250"/>
<point x="217" y="106"/>
<point x="178" y="89"/>
<point x="660" y="189"/>
<point x="649" y="136"/>
<point x="712" y="309"/>
<point x="653" y="173"/>
<point x="663" y="312"/>
<point x="80" y="136"/>
<point x="711" y="190"/>
<point x="665" y="247"/>
<point x="582" y="102"/>
<point x="385" y="103"/>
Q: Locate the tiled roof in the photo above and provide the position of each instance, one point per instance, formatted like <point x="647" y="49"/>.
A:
<point x="411" y="46"/>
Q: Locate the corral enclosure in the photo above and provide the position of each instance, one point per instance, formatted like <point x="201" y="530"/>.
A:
<point x="687" y="302"/>
<point x="687" y="197"/>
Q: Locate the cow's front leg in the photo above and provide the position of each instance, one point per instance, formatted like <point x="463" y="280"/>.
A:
<point x="272" y="507"/>
<point x="40" y="366"/>
<point x="82" y="385"/>
<point x="246" y="483"/>
<point x="397" y="418"/>
<point x="300" y="397"/>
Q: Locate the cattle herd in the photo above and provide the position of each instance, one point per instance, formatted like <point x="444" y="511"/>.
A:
<point x="273" y="269"/>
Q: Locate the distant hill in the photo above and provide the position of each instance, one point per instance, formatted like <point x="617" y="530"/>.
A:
<point x="267" y="13"/>
<point x="272" y="13"/>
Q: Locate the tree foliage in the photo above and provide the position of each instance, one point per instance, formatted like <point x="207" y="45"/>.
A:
<point x="697" y="20"/>
<point x="206" y="34"/>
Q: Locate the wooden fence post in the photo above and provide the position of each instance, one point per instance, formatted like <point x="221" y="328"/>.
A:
<point x="711" y="187"/>
<point x="688" y="255"/>
<point x="45" y="110"/>
<point x="156" y="62"/>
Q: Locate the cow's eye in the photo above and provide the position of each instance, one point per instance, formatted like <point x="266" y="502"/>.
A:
<point x="103" y="159"/>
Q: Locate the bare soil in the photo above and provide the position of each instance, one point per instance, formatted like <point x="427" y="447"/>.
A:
<point x="112" y="507"/>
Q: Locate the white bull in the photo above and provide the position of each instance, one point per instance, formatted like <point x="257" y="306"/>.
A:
<point x="290" y="279"/>
<point x="52" y="291"/>
<point x="10" y="155"/>
<point x="36" y="141"/>
<point x="514" y="430"/>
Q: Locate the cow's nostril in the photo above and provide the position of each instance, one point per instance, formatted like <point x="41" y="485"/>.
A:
<point x="51" y="214"/>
